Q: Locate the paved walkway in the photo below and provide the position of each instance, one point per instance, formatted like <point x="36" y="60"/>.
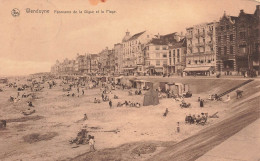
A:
<point x="243" y="146"/>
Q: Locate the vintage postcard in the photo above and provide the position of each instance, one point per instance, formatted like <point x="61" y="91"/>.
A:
<point x="136" y="80"/>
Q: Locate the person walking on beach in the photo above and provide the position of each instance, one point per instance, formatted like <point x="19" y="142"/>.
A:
<point x="201" y="103"/>
<point x="110" y="104"/>
<point x="91" y="143"/>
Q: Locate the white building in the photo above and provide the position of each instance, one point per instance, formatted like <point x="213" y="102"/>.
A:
<point x="133" y="59"/>
<point x="201" y="49"/>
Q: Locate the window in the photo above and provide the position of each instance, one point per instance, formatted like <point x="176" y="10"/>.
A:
<point x="157" y="55"/>
<point x="147" y="63"/>
<point x="242" y="49"/>
<point x="157" y="48"/>
<point x="227" y="27"/>
<point x="164" y="55"/>
<point x="231" y="50"/>
<point x="164" y="48"/>
<point x="165" y="62"/>
<point x="225" y="50"/>
<point x="170" y="53"/>
<point x="219" y="50"/>
<point x="178" y="60"/>
<point x="242" y="35"/>
<point x="178" y="52"/>
<point x="219" y="38"/>
<point x="170" y="61"/>
<point x="173" y="53"/>
<point x="225" y="38"/>
<point x="231" y="37"/>
<point x="157" y="62"/>
<point x="196" y="61"/>
<point x="189" y="62"/>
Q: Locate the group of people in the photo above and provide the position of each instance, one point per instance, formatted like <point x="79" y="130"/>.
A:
<point x="199" y="119"/>
<point x="128" y="103"/>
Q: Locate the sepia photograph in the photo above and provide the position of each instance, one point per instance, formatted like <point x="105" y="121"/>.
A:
<point x="136" y="80"/>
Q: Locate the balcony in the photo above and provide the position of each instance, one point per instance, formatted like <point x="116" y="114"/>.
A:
<point x="210" y="32"/>
<point x="210" y="43"/>
<point x="201" y="44"/>
<point x="226" y="57"/>
<point x="189" y="36"/>
<point x="200" y="34"/>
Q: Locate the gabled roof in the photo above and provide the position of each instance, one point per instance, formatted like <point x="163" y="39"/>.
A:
<point x="181" y="43"/>
<point x="158" y="42"/>
<point x="136" y="36"/>
<point x="233" y="18"/>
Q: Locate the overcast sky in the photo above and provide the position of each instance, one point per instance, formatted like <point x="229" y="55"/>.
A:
<point x="33" y="42"/>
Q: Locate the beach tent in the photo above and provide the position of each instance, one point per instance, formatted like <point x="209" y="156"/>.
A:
<point x="162" y="86"/>
<point x="151" y="98"/>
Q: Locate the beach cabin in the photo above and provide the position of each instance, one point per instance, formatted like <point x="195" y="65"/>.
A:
<point x="118" y="80"/>
<point x="162" y="86"/>
<point x="142" y="84"/>
<point x="3" y="80"/>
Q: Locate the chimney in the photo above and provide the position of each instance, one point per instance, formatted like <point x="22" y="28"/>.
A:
<point x="159" y="36"/>
<point x="127" y="32"/>
<point x="241" y="11"/>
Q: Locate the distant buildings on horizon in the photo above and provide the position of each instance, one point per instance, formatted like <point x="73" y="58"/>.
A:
<point x="228" y="47"/>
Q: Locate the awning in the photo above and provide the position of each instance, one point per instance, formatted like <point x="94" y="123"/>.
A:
<point x="197" y="69"/>
<point x="128" y="68"/>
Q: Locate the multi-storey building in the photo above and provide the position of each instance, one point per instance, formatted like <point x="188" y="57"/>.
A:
<point x="81" y="63"/>
<point x="118" y="49"/>
<point x="104" y="61"/>
<point x="226" y="45"/>
<point x="247" y="41"/>
<point x="201" y="49"/>
<point x="155" y="53"/>
<point x="111" y="61"/>
<point x="177" y="57"/>
<point x="238" y="44"/>
<point x="93" y="63"/>
<point x="133" y="59"/>
<point x="55" y="69"/>
<point x="255" y="57"/>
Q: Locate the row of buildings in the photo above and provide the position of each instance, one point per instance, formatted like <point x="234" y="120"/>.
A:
<point x="229" y="47"/>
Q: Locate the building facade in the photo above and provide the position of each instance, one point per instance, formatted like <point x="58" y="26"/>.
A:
<point x="155" y="54"/>
<point x="201" y="49"/>
<point x="118" y="49"/>
<point x="238" y="44"/>
<point x="133" y="59"/>
<point x="226" y="45"/>
<point x="177" y="57"/>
